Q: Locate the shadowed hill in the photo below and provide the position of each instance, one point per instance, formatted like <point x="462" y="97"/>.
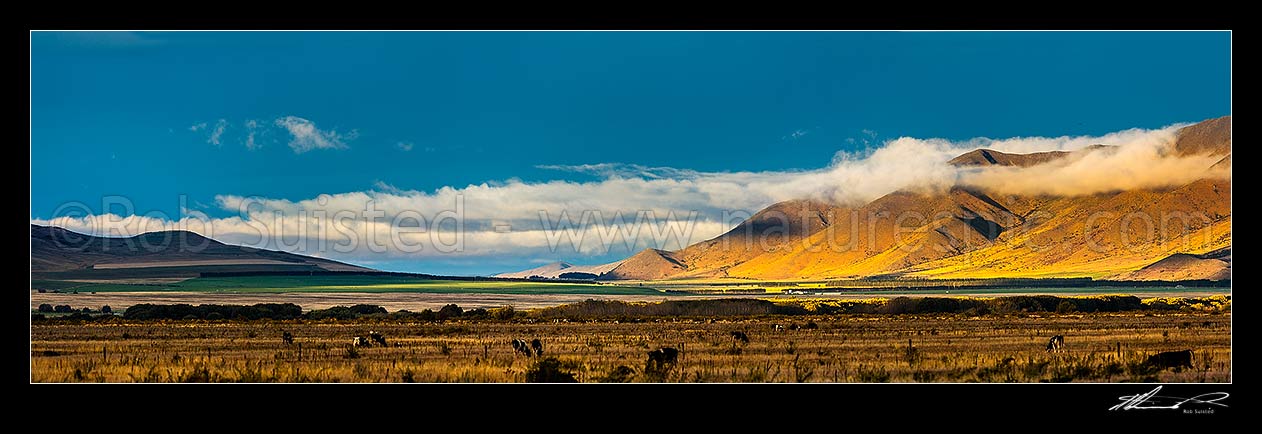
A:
<point x="56" y="251"/>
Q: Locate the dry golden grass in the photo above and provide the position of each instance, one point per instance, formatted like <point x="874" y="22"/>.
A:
<point x="856" y="348"/>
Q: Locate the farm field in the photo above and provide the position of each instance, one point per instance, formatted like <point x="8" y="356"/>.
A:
<point x="1101" y="347"/>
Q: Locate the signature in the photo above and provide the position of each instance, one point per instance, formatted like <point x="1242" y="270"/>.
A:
<point x="1153" y="401"/>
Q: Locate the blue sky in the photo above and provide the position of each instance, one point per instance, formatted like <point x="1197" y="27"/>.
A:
<point x="344" y="112"/>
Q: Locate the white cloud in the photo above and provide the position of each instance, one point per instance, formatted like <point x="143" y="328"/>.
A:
<point x="197" y="127"/>
<point x="673" y="207"/>
<point x="307" y="137"/>
<point x="406" y="146"/>
<point x="217" y="133"/>
<point x="251" y="127"/>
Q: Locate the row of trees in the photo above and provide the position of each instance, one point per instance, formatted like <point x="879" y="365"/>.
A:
<point x="65" y="308"/>
<point x="282" y="311"/>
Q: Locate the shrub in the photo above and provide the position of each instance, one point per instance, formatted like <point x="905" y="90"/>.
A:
<point x="343" y="312"/>
<point x="676" y="308"/>
<point x="204" y="311"/>
<point x="547" y="371"/>
<point x="1066" y="307"/>
<point x="62" y="308"/>
<point x="449" y="311"/>
<point x="503" y="313"/>
<point x="107" y="309"/>
<point x="621" y="374"/>
<point x="45" y="307"/>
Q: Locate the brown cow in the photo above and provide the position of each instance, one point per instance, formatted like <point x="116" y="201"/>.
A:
<point x="661" y="359"/>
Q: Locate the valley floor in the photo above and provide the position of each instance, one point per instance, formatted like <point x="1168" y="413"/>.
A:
<point x="414" y="301"/>
<point x="1101" y="347"/>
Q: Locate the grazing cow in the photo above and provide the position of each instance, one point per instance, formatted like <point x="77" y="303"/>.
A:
<point x="661" y="359"/>
<point x="1056" y="344"/>
<point x="777" y="327"/>
<point x="1170" y="359"/>
<point x="287" y="337"/>
<point x="378" y="338"/>
<point x="537" y="345"/>
<point x="740" y="336"/>
<point x="361" y="341"/>
<point x="521" y="346"/>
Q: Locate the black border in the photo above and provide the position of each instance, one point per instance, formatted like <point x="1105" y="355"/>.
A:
<point x="963" y="406"/>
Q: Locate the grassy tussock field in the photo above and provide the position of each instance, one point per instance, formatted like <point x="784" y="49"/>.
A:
<point x="1101" y="347"/>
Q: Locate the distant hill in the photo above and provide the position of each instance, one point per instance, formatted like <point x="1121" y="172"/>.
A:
<point x="987" y="157"/>
<point x="1215" y="265"/>
<point x="649" y="264"/>
<point x="556" y="269"/>
<point x="58" y="253"/>
<point x="971" y="233"/>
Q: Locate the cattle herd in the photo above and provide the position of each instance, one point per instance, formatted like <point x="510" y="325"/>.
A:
<point x="362" y="341"/>
<point x="666" y="358"/>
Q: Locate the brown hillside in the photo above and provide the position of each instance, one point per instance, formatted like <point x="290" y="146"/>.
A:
<point x="1210" y="137"/>
<point x="649" y="264"/>
<point x="987" y="157"/>
<point x="896" y="231"/>
<point x="774" y="228"/>
<point x="968" y="233"/>
<point x="1183" y="266"/>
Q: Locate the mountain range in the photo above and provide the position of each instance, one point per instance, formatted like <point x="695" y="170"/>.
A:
<point x="969" y="232"/>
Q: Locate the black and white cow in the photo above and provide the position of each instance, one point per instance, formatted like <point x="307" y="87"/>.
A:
<point x="1056" y="344"/>
<point x="287" y="337"/>
<point x="378" y="338"/>
<point x="537" y="345"/>
<point x="521" y="346"/>
<point x="740" y="336"/>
